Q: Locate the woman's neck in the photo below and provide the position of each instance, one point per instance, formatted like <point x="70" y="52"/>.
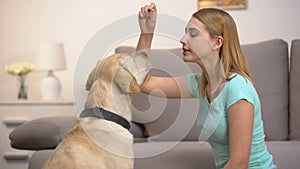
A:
<point x="215" y="77"/>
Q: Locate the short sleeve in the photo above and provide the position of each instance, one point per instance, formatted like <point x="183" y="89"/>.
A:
<point x="240" y="88"/>
<point x="193" y="81"/>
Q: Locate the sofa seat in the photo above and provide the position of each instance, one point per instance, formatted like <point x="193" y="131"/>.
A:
<point x="285" y="153"/>
<point x="175" y="155"/>
<point x="158" y="155"/>
<point x="188" y="154"/>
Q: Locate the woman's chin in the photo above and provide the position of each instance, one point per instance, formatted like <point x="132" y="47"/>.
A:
<point x="188" y="58"/>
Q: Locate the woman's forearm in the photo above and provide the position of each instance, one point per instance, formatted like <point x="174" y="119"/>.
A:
<point x="144" y="42"/>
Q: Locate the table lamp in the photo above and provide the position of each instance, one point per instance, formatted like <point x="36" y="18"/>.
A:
<point x="50" y="57"/>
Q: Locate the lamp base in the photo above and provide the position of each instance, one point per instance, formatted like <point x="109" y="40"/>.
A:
<point x="50" y="87"/>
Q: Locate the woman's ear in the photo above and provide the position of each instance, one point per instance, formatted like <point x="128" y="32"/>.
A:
<point x="218" y="42"/>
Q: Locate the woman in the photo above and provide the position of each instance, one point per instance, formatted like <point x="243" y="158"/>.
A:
<point x="230" y="118"/>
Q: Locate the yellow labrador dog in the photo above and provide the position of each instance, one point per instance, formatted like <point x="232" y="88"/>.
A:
<point x="100" y="138"/>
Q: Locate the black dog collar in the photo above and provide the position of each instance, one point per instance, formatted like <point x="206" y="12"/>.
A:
<point x="105" y="114"/>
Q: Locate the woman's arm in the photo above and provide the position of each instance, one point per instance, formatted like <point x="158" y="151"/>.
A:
<point x="240" y="119"/>
<point x="159" y="86"/>
<point x="170" y="87"/>
<point x="147" y="22"/>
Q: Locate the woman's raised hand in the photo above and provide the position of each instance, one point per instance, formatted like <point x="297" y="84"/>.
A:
<point x="147" y="18"/>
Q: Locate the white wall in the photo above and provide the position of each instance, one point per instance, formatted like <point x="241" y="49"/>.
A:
<point x="26" y="23"/>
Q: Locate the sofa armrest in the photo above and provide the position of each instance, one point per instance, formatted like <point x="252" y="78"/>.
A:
<point x="47" y="132"/>
<point x="41" y="133"/>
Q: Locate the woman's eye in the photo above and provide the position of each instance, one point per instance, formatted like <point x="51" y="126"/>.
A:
<point x="193" y="33"/>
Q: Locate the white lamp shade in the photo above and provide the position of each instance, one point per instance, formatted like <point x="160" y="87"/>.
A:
<point x="50" y="56"/>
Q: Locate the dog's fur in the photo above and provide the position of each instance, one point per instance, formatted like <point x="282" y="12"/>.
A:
<point x="95" y="143"/>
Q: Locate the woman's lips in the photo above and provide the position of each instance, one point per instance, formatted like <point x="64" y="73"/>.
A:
<point x="185" y="51"/>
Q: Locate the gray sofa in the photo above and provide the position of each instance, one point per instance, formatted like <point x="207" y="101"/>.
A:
<point x="164" y="129"/>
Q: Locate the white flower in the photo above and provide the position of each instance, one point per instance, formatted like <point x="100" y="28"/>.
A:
<point x="19" y="68"/>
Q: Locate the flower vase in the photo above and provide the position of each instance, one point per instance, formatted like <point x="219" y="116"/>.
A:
<point x="22" y="90"/>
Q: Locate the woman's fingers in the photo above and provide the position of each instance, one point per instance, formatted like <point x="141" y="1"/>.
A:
<point x="152" y="7"/>
<point x="145" y="10"/>
<point x="147" y="18"/>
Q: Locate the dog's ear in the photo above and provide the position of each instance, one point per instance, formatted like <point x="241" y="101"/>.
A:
<point x="138" y="64"/>
<point x="129" y="64"/>
<point x="143" y="64"/>
<point x="93" y="95"/>
<point x="90" y="80"/>
<point x="126" y="82"/>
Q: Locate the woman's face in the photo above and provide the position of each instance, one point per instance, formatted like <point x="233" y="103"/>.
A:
<point x="199" y="47"/>
<point x="196" y="43"/>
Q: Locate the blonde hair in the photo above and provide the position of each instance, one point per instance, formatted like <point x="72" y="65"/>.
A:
<point x="219" y="23"/>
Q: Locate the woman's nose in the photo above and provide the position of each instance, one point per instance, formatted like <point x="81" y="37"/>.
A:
<point x="183" y="40"/>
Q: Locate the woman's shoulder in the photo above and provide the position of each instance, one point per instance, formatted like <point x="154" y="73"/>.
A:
<point x="240" y="87"/>
<point x="193" y="81"/>
<point x="194" y="76"/>
<point x="238" y="81"/>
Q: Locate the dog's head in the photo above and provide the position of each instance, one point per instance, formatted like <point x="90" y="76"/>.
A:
<point x="128" y="72"/>
<point x="133" y="71"/>
<point x="110" y="84"/>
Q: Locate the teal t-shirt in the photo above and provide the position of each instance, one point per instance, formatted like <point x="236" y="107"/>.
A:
<point x="213" y="122"/>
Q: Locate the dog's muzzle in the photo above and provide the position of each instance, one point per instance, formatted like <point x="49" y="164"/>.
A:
<point x="105" y="114"/>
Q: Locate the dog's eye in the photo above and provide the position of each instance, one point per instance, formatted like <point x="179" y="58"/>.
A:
<point x="144" y="55"/>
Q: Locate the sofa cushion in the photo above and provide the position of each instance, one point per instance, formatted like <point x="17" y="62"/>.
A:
<point x="295" y="91"/>
<point x="187" y="155"/>
<point x="269" y="65"/>
<point x="285" y="153"/>
<point x="42" y="133"/>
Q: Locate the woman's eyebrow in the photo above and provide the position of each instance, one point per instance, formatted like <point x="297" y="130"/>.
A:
<point x="193" y="29"/>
